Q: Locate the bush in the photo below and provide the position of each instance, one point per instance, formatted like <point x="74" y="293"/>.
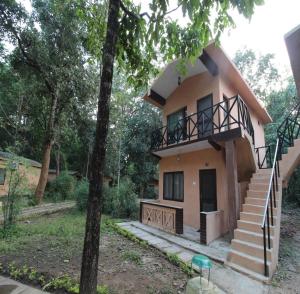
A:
<point x="62" y="187"/>
<point x="81" y="194"/>
<point x="117" y="204"/>
<point x="122" y="203"/>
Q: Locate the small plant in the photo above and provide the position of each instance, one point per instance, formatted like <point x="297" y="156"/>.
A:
<point x="66" y="283"/>
<point x="186" y="268"/>
<point x="126" y="233"/>
<point x="17" y="186"/>
<point x="132" y="256"/>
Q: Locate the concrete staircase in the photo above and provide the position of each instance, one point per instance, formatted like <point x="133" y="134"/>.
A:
<point x="247" y="251"/>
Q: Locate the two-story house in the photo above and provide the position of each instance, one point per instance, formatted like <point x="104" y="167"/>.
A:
<point x="212" y="176"/>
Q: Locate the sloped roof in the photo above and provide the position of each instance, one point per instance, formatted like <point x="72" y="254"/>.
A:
<point x="164" y="85"/>
<point x="8" y="155"/>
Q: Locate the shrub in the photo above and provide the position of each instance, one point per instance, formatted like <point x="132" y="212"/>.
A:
<point x="62" y="187"/>
<point x="81" y="194"/>
<point x="121" y="202"/>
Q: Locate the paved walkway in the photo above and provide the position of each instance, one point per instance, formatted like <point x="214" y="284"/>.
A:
<point x="42" y="209"/>
<point x="217" y="250"/>
<point x="9" y="286"/>
<point x="224" y="277"/>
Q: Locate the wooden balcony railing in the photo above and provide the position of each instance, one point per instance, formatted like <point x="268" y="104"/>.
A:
<point x="202" y="125"/>
<point x="167" y="218"/>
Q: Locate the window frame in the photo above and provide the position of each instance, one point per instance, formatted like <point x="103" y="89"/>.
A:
<point x="4" y="176"/>
<point x="182" y="110"/>
<point x="173" y="184"/>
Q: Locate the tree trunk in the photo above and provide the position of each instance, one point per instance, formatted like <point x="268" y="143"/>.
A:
<point x="57" y="160"/>
<point x="40" y="189"/>
<point x="90" y="255"/>
<point x="49" y="141"/>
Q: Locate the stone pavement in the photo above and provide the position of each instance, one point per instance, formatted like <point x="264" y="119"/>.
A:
<point x="9" y="286"/>
<point x="228" y="280"/>
<point x="42" y="209"/>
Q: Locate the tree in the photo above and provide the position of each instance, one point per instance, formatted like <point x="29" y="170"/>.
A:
<point x="50" y="44"/>
<point x="259" y="71"/>
<point x="133" y="39"/>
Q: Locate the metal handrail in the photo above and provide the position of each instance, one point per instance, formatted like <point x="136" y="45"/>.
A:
<point x="270" y="202"/>
<point x="270" y="183"/>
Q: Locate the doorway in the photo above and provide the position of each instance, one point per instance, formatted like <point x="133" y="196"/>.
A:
<point x="208" y="190"/>
<point x="205" y="116"/>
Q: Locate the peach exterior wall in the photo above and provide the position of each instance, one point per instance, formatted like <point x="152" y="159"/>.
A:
<point x="186" y="95"/>
<point x="190" y="164"/>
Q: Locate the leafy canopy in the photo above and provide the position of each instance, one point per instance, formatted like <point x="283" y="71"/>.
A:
<point x="147" y="38"/>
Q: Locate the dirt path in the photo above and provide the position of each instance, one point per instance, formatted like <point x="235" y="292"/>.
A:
<point x="287" y="278"/>
<point x="43" y="209"/>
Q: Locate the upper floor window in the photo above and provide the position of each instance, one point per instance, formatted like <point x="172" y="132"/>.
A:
<point x="177" y="126"/>
<point x="2" y="176"/>
<point x="173" y="186"/>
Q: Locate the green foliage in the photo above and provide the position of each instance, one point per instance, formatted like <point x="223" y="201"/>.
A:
<point x="64" y="283"/>
<point x="132" y="256"/>
<point x="121" y="201"/>
<point x="259" y="71"/>
<point x="81" y="194"/>
<point x="17" y="186"/>
<point x="186" y="268"/>
<point x="62" y="187"/>
<point x="125" y="233"/>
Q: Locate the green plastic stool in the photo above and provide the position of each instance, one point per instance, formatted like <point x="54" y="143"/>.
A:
<point x="202" y="262"/>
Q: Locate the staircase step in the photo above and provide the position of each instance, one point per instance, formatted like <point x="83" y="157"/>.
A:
<point x="259" y="181"/>
<point x="256" y="201"/>
<point x="251" y="237"/>
<point x="258" y="209"/>
<point x="258" y="194"/>
<point x="252" y="226"/>
<point x="249" y="262"/>
<point x="247" y="272"/>
<point x="250" y="249"/>
<point x="254" y="217"/>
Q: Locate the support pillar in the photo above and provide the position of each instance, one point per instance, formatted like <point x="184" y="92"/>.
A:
<point x="232" y="186"/>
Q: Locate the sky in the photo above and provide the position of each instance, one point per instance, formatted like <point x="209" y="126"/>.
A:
<point x="265" y="32"/>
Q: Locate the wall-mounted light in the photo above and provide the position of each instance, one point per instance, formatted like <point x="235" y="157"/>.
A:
<point x="178" y="157"/>
<point x="206" y="164"/>
<point x="179" y="81"/>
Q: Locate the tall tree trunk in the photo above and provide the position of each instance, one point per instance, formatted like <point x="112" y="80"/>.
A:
<point x="40" y="189"/>
<point x="49" y="141"/>
<point x="90" y="255"/>
<point x="57" y="160"/>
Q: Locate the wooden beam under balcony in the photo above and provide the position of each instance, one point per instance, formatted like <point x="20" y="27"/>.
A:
<point x="209" y="63"/>
<point x="157" y="98"/>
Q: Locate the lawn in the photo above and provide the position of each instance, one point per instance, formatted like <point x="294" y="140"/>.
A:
<point x="52" y="246"/>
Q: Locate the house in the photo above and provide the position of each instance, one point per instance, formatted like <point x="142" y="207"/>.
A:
<point x="214" y="169"/>
<point x="31" y="168"/>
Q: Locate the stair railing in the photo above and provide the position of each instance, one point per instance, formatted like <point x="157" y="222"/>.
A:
<point x="268" y="208"/>
<point x="289" y="130"/>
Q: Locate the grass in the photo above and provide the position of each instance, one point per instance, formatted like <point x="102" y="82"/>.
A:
<point x="132" y="256"/>
<point x="58" y="230"/>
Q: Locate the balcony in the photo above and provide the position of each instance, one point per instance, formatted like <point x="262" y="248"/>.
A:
<point x="220" y="122"/>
